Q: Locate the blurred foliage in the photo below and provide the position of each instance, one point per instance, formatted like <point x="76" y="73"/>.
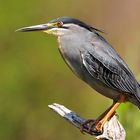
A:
<point x="33" y="75"/>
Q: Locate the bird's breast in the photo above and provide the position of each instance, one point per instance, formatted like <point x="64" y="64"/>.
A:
<point x="71" y="55"/>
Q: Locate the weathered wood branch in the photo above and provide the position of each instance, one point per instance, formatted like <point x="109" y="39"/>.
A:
<point x="113" y="130"/>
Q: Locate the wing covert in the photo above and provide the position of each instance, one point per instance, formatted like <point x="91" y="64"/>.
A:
<point x="108" y="71"/>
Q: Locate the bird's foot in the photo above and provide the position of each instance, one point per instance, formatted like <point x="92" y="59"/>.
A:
<point x="100" y="124"/>
<point x="90" y="126"/>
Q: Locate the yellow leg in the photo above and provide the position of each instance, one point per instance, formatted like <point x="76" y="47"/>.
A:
<point x="101" y="123"/>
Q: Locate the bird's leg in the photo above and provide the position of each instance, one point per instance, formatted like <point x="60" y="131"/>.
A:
<point x="92" y="122"/>
<point x="100" y="124"/>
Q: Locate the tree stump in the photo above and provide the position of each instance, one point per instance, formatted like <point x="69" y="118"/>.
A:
<point x="113" y="130"/>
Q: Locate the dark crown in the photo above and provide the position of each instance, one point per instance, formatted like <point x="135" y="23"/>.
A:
<point x="67" y="20"/>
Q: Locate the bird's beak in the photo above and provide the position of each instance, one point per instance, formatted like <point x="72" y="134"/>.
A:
<point x="42" y="27"/>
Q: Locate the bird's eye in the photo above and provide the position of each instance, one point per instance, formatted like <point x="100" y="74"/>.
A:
<point x="59" y="24"/>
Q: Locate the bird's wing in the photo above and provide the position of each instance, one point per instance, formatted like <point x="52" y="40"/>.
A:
<point x="104" y="64"/>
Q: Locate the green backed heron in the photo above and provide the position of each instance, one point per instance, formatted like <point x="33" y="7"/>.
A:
<point x="94" y="61"/>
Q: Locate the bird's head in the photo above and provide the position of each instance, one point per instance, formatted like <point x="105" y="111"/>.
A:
<point x="60" y="26"/>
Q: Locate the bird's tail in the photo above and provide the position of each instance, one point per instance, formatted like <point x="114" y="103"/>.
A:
<point x="138" y="94"/>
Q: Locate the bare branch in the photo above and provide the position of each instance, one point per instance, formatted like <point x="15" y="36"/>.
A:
<point x="113" y="130"/>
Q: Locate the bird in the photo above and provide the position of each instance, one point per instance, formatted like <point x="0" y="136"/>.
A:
<point x="93" y="59"/>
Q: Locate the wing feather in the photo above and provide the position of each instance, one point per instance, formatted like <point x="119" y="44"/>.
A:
<point x="109" y="72"/>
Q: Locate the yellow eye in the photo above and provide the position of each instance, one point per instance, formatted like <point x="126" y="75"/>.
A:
<point x="59" y="24"/>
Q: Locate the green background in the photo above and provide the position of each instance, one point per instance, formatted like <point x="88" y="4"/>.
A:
<point x="33" y="75"/>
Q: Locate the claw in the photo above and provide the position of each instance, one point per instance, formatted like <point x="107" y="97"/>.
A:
<point x="99" y="126"/>
<point x="88" y="125"/>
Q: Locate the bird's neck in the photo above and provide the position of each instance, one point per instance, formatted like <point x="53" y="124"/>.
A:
<point x="70" y="50"/>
